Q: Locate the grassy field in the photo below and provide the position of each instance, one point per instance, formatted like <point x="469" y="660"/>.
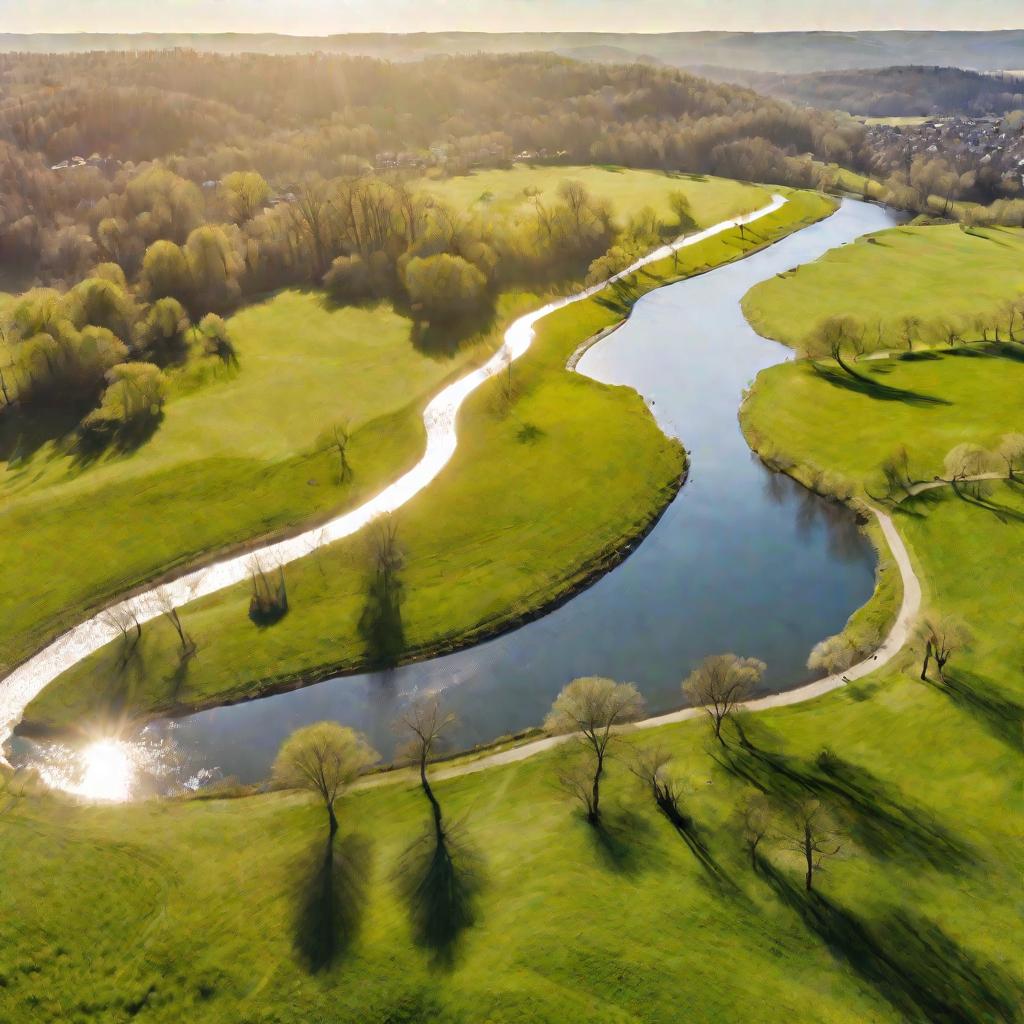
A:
<point x="493" y="193"/>
<point x="565" y="443"/>
<point x="931" y="273"/>
<point x="217" y="911"/>
<point x="213" y="911"/>
<point x="239" y="452"/>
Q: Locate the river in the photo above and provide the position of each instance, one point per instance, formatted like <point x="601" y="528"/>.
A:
<point x="743" y="560"/>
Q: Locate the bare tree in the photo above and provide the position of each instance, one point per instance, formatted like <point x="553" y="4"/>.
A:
<point x="424" y="724"/>
<point x="910" y="326"/>
<point x="341" y="435"/>
<point x="896" y="474"/>
<point x="719" y="683"/>
<point x="942" y="638"/>
<point x="1011" y="451"/>
<point x="966" y="466"/>
<point x="591" y="708"/>
<point x="650" y="766"/>
<point x="323" y="758"/>
<point x="809" y="830"/>
<point x="123" y="617"/>
<point x="835" y="336"/>
<point x="165" y="603"/>
<point x="758" y="818"/>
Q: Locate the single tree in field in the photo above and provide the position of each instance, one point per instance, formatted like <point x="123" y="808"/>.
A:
<point x="942" y="637"/>
<point x="650" y="766"/>
<point x="340" y="435"/>
<point x="423" y="725"/>
<point x="124" y="618"/>
<point x="1011" y="451"/>
<point x="809" y="830"/>
<point x="165" y="603"/>
<point x="910" y="327"/>
<point x="323" y="758"/>
<point x="679" y="202"/>
<point x="895" y="470"/>
<point x="835" y="336"/>
<point x="719" y="683"/>
<point x="966" y="467"/>
<point x="758" y="819"/>
<point x="591" y="708"/>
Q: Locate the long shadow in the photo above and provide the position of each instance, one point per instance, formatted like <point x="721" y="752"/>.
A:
<point x="443" y="340"/>
<point x="24" y="430"/>
<point x="380" y="624"/>
<point x="982" y="698"/>
<point x="689" y="832"/>
<point x="617" y="840"/>
<point x="619" y="297"/>
<point x="440" y="877"/>
<point x="879" y="818"/>
<point x="977" y="495"/>
<point x="330" y="896"/>
<point x="922" y="972"/>
<point x="862" y="385"/>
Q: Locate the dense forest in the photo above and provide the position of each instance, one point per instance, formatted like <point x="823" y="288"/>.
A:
<point x="888" y="92"/>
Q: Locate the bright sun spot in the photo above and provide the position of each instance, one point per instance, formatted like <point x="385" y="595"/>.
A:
<point x="107" y="771"/>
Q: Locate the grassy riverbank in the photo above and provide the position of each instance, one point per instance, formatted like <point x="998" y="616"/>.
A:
<point x="546" y="489"/>
<point x="206" y="911"/>
<point x="935" y="275"/>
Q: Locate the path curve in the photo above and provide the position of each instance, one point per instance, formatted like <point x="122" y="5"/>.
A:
<point x="439" y="418"/>
<point x="889" y="648"/>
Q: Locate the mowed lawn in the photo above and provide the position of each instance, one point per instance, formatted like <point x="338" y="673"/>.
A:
<point x="240" y="452"/>
<point x="495" y="193"/>
<point x="214" y="911"/>
<point x="933" y="274"/>
<point x="543" y="492"/>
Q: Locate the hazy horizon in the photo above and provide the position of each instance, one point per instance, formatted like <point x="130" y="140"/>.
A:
<point x="333" y="17"/>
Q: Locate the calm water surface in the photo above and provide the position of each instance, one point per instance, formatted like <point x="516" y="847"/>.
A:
<point x="743" y="560"/>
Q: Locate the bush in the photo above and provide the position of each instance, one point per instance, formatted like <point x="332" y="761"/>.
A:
<point x="444" y="287"/>
<point x="131" y="402"/>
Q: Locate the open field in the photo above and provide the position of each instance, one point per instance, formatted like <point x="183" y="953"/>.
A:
<point x="490" y="192"/>
<point x="934" y="274"/>
<point x="564" y="443"/>
<point x="240" y="452"/>
<point x="206" y="910"/>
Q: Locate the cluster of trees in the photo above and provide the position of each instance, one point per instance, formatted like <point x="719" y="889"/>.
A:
<point x="186" y="142"/>
<point x="97" y="351"/>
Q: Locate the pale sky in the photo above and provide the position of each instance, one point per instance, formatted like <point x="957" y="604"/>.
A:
<point x="323" y="17"/>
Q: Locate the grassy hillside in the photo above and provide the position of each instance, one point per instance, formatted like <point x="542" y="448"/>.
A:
<point x="933" y="274"/>
<point x="475" y="561"/>
<point x="213" y="911"/>
<point x="240" y="452"/>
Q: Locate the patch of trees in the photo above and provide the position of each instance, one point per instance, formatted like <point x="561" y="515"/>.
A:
<point x="246" y="147"/>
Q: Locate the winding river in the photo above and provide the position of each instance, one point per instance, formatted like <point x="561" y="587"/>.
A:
<point x="743" y="560"/>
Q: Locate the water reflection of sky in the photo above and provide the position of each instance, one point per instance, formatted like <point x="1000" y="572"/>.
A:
<point x="743" y="560"/>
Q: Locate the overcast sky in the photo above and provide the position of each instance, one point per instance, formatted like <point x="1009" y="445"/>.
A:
<point x="322" y="17"/>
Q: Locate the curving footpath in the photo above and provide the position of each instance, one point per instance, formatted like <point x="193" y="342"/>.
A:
<point x="889" y="648"/>
<point x="439" y="418"/>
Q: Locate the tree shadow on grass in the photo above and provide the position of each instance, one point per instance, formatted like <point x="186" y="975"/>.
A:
<point x="380" y="624"/>
<point x="618" y="841"/>
<point x="330" y="896"/>
<point x="981" y="697"/>
<point x="440" y="877"/>
<point x="922" y="972"/>
<point x="688" y="830"/>
<point x="619" y="296"/>
<point x="862" y="385"/>
<point x="878" y="817"/>
<point x="976" y="493"/>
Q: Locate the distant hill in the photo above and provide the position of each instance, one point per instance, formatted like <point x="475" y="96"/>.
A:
<point x="886" y="92"/>
<point x="785" y="52"/>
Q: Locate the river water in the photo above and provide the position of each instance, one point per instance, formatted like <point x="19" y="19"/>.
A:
<point x="743" y="560"/>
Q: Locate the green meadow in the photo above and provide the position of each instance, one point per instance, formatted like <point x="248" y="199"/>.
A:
<point x="558" y="441"/>
<point x="243" y="451"/>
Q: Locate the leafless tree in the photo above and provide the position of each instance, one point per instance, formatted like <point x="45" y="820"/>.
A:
<point x="942" y="637"/>
<point x="124" y="617"/>
<point x="1011" y="451"/>
<point x="719" y="683"/>
<point x="650" y="765"/>
<point x="165" y="603"/>
<point x="591" y="708"/>
<point x="835" y="336"/>
<point x="758" y="818"/>
<point x="808" y="829"/>
<point x="340" y="437"/>
<point x="423" y="725"/>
